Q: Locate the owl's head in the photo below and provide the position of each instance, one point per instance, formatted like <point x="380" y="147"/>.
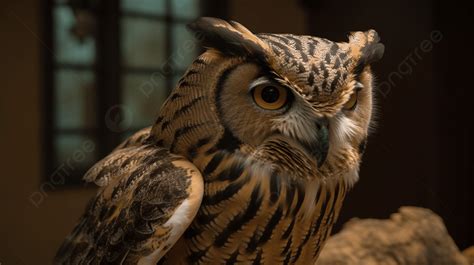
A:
<point x="284" y="98"/>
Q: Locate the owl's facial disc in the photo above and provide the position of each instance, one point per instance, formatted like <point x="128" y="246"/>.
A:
<point x="257" y="106"/>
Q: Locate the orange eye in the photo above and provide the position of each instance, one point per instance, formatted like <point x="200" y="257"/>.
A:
<point x="270" y="97"/>
<point x="352" y="102"/>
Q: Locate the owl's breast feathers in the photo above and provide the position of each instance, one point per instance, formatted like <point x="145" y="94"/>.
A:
<point x="255" y="213"/>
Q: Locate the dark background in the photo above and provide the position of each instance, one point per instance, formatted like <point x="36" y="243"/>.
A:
<point x="419" y="152"/>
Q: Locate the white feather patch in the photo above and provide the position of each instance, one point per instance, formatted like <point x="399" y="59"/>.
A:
<point x="298" y="124"/>
<point x="178" y="222"/>
<point x="342" y="128"/>
<point x="182" y="216"/>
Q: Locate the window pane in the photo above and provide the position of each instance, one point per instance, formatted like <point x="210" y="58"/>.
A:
<point x="142" y="96"/>
<point x="184" y="47"/>
<point x="154" y="7"/>
<point x="185" y="8"/>
<point x="75" y="99"/>
<point x="68" y="48"/>
<point x="143" y="43"/>
<point x="74" y="152"/>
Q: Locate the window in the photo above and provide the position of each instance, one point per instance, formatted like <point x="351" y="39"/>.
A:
<point x="110" y="67"/>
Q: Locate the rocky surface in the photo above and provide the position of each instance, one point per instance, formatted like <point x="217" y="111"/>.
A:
<point x="469" y="254"/>
<point x="413" y="236"/>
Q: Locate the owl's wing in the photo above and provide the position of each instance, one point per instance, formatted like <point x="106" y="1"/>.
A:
<point x="147" y="199"/>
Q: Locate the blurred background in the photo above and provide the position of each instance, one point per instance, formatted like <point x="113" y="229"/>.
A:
<point x="79" y="76"/>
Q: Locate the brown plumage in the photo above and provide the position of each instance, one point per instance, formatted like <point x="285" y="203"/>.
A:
<point x="267" y="130"/>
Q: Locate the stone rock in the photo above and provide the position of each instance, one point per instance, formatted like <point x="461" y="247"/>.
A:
<point x="469" y="254"/>
<point x="413" y="236"/>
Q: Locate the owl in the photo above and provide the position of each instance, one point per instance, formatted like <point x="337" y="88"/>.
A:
<point x="249" y="159"/>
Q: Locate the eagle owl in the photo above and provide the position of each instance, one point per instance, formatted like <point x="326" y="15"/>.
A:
<point x="248" y="161"/>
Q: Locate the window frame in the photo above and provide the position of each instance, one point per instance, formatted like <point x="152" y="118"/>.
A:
<point x="108" y="71"/>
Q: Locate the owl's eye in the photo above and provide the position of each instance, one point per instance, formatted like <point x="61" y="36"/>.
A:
<point x="270" y="97"/>
<point x="352" y="102"/>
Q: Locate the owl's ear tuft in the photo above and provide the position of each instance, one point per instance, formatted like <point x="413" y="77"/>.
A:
<point x="230" y="38"/>
<point x="366" y="48"/>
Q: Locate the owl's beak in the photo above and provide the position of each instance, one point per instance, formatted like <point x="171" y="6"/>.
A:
<point x="319" y="149"/>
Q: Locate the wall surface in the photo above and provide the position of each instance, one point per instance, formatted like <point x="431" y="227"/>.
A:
<point x="278" y="16"/>
<point x="29" y="234"/>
